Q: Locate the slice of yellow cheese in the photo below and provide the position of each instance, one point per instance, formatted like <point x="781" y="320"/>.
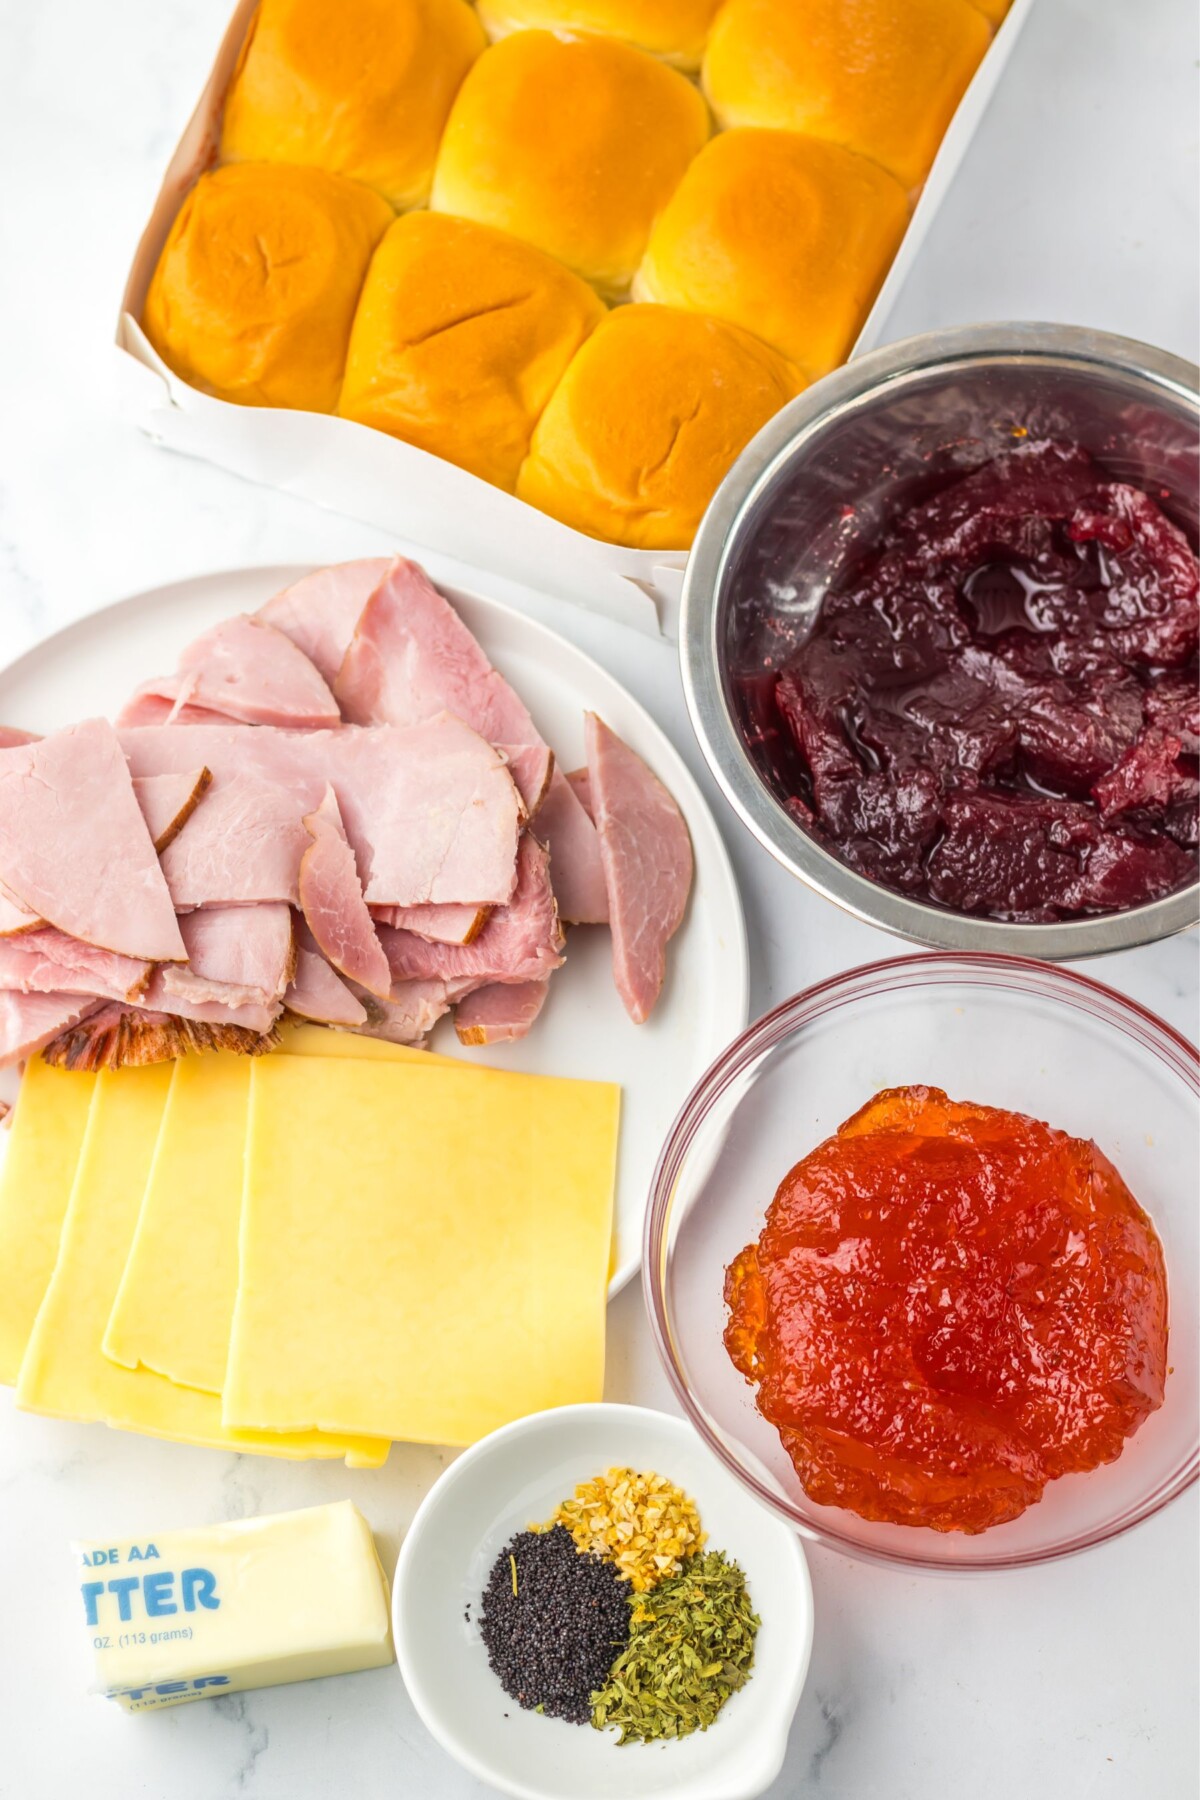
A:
<point x="39" y="1167"/>
<point x="65" y="1372"/>
<point x="424" y="1247"/>
<point x="174" y="1307"/>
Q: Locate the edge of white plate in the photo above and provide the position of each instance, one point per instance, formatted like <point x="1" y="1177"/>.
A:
<point x="672" y="769"/>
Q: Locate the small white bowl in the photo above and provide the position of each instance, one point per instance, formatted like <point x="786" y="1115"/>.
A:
<point x="517" y="1477"/>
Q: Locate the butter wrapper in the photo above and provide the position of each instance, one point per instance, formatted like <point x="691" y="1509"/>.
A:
<point x="193" y="1614"/>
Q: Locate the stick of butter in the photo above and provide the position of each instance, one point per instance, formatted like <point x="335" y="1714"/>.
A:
<point x="190" y="1615"/>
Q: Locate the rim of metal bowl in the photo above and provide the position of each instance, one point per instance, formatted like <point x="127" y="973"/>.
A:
<point x="733" y="512"/>
<point x="1020" y="973"/>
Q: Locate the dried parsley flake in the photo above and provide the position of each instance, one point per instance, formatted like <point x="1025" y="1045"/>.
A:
<point x="691" y="1645"/>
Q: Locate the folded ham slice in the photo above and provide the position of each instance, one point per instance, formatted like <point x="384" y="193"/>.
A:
<point x="410" y="657"/>
<point x="430" y="810"/>
<point x="318" y="994"/>
<point x="647" y="864"/>
<point x="499" y="1014"/>
<point x="168" y="802"/>
<point x="319" y="612"/>
<point x="74" y="847"/>
<point x="520" y="942"/>
<point x="331" y="899"/>
<point x="12" y="735"/>
<point x="238" y="956"/>
<point x="28" y="1021"/>
<point x="245" y="669"/>
<point x="440" y="924"/>
<point x="47" y="961"/>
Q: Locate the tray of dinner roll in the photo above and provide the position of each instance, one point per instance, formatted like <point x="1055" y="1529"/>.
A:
<point x="519" y="280"/>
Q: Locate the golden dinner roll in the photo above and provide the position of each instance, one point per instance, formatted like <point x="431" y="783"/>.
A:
<point x="362" y="87"/>
<point x="645" y="422"/>
<point x="460" y="337"/>
<point x="787" y="236"/>
<point x="676" y="30"/>
<point x="255" y="290"/>
<point x="882" y="77"/>
<point x="573" y="143"/>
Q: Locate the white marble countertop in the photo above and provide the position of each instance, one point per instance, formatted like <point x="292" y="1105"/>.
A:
<point x="1076" y="202"/>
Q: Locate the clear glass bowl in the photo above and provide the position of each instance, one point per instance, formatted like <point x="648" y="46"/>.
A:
<point x="995" y="1029"/>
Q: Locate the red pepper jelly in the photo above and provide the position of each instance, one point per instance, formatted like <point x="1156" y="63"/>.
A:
<point x="998" y="710"/>
<point x="948" y="1306"/>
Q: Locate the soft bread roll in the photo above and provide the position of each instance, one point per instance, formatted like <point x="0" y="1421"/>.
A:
<point x="460" y="337"/>
<point x="646" y="421"/>
<point x="676" y="30"/>
<point x="362" y="87"/>
<point x="255" y="290"/>
<point x="882" y="77"/>
<point x="573" y="143"/>
<point x="787" y="236"/>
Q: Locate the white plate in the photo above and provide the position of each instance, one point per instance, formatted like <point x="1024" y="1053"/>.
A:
<point x="90" y="668"/>
<point x="518" y="1475"/>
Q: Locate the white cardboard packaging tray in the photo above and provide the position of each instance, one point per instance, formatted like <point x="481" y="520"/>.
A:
<point x="355" y="470"/>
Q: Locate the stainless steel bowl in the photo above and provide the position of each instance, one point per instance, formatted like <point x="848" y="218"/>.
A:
<point x="812" y="490"/>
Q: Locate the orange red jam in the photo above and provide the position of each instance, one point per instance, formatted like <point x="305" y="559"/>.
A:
<point x="948" y="1306"/>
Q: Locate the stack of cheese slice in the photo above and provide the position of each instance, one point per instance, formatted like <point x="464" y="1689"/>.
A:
<point x="306" y="1254"/>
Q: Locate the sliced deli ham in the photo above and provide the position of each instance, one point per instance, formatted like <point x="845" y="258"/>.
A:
<point x="430" y="810"/>
<point x="409" y="1013"/>
<point x="168" y="802"/>
<point x="74" y="847"/>
<point x="47" y="961"/>
<point x="520" y="942"/>
<point x="237" y="956"/>
<point x="440" y="924"/>
<point x="581" y="784"/>
<point x="570" y="836"/>
<point x="499" y="1014"/>
<point x="319" y="612"/>
<point x="317" y="993"/>
<point x="28" y="1021"/>
<point x="410" y="656"/>
<point x="331" y="899"/>
<point x="647" y="864"/>
<point x="245" y="669"/>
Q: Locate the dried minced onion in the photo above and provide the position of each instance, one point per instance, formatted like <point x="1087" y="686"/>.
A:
<point x="637" y="1521"/>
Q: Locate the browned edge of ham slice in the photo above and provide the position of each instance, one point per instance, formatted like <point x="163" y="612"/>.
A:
<point x="500" y="1014"/>
<point x="168" y="802"/>
<point x="647" y="856"/>
<point x="117" y="1038"/>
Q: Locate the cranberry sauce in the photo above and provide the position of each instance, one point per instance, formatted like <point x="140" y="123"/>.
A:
<point x="998" y="712"/>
